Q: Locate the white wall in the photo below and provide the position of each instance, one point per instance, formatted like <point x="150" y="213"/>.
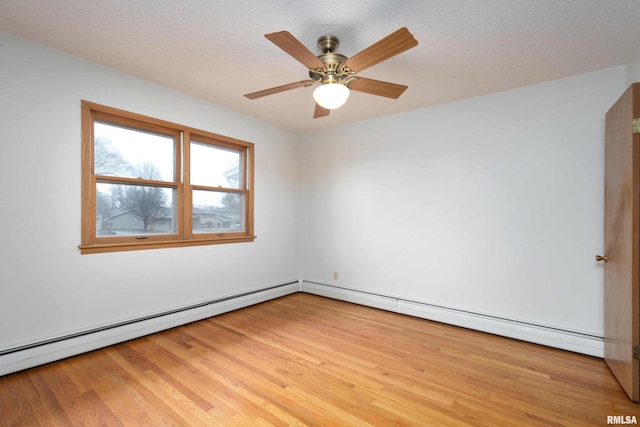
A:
<point x="47" y="288"/>
<point x="633" y="67"/>
<point x="492" y="205"/>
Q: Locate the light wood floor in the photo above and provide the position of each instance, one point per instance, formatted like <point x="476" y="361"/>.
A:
<point x="308" y="360"/>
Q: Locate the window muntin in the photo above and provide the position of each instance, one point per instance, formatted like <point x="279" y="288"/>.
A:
<point x="135" y="194"/>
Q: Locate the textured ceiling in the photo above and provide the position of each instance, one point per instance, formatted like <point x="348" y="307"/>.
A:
<point x="216" y="50"/>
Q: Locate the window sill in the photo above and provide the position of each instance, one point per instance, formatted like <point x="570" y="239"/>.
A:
<point x="129" y="246"/>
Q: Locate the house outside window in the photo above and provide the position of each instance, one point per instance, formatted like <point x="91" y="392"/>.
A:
<point x="148" y="183"/>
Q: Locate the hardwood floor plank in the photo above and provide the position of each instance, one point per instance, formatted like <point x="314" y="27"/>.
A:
<point x="137" y="363"/>
<point x="322" y="377"/>
<point x="194" y="378"/>
<point x="104" y="415"/>
<point x="304" y="360"/>
<point x="57" y="385"/>
<point x="168" y="390"/>
<point x="50" y="404"/>
<point x="18" y="406"/>
<point x="231" y="385"/>
<point x="125" y="395"/>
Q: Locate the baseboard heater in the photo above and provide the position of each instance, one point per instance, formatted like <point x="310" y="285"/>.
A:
<point x="49" y="350"/>
<point x="576" y="341"/>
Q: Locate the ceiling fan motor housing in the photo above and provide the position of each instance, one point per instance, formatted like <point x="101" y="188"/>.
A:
<point x="328" y="43"/>
<point x="332" y="72"/>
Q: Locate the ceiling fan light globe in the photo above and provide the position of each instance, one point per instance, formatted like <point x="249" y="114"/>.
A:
<point x="331" y="95"/>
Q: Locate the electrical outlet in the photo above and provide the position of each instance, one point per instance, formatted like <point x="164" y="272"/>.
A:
<point x="335" y="275"/>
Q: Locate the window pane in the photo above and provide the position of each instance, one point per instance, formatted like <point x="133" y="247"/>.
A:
<point x="134" y="210"/>
<point x="217" y="212"/>
<point x="214" y="166"/>
<point x="131" y="153"/>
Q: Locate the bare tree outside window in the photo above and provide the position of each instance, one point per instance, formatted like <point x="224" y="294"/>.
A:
<point x="107" y="160"/>
<point x="147" y="204"/>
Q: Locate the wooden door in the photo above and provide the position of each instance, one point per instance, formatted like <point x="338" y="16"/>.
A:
<point x="622" y="241"/>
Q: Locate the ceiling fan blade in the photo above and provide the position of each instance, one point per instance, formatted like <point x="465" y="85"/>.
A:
<point x="287" y="42"/>
<point x="320" y="112"/>
<point x="377" y="87"/>
<point x="395" y="43"/>
<point x="278" y="89"/>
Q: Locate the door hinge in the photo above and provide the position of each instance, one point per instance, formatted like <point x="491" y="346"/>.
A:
<point x="636" y="125"/>
<point x="636" y="353"/>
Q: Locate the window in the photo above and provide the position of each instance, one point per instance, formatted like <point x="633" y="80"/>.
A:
<point x="148" y="183"/>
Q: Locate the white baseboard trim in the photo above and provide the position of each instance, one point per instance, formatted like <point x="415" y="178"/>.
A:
<point x="552" y="337"/>
<point x="28" y="356"/>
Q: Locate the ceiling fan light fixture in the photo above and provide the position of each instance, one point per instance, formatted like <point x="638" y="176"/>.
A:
<point x="331" y="95"/>
<point x="335" y="72"/>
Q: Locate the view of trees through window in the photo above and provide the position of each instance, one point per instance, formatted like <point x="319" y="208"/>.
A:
<point x="130" y="209"/>
<point x="214" y="168"/>
<point x="126" y="208"/>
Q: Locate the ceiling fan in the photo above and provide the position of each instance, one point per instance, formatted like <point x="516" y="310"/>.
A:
<point x="335" y="72"/>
